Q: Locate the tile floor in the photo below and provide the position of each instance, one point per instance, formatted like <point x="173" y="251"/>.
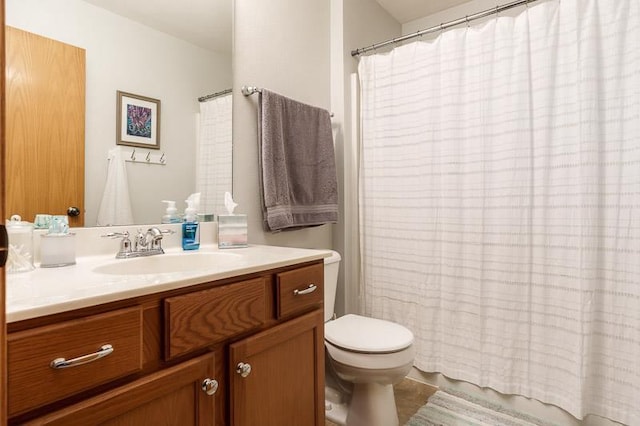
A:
<point x="410" y="396"/>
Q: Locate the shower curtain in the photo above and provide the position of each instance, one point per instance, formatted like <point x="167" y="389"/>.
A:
<point x="499" y="195"/>
<point x="214" y="153"/>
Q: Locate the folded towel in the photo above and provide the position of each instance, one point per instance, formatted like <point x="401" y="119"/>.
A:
<point x="299" y="182"/>
<point x="115" y="207"/>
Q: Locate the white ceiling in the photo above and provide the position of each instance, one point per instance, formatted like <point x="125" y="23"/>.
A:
<point x="407" y="10"/>
<point x="207" y="23"/>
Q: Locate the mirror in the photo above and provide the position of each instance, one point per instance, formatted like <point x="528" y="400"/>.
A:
<point x="159" y="50"/>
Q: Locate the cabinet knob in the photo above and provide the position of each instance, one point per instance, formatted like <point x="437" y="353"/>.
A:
<point x="243" y="369"/>
<point x="209" y="386"/>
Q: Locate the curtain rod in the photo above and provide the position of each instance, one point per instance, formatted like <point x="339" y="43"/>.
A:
<point x="442" y="26"/>
<point x="214" y="95"/>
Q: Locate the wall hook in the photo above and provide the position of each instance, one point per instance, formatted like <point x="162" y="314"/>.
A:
<point x="149" y="158"/>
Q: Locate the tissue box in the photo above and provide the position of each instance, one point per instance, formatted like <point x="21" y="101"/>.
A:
<point x="57" y="250"/>
<point x="232" y="231"/>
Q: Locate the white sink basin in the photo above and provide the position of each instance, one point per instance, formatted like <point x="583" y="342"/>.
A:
<point x="169" y="263"/>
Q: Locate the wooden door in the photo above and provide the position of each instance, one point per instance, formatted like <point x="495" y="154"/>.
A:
<point x="45" y="110"/>
<point x="286" y="383"/>
<point x="3" y="322"/>
<point x="171" y="397"/>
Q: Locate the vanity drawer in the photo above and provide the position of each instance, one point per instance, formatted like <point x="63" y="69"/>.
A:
<point x="33" y="382"/>
<point x="299" y="289"/>
<point x="202" y="318"/>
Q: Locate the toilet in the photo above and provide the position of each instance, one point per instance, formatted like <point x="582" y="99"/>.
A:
<point x="365" y="357"/>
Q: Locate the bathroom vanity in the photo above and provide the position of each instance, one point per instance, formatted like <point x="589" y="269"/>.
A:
<point x="239" y="342"/>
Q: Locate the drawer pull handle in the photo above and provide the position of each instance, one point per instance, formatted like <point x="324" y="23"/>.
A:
<point x="59" y="363"/>
<point x="310" y="289"/>
<point x="210" y="386"/>
<point x="243" y="369"/>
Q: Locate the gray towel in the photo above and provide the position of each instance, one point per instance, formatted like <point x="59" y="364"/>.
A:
<point x="299" y="183"/>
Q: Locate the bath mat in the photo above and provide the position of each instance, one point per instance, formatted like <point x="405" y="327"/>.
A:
<point x="454" y="408"/>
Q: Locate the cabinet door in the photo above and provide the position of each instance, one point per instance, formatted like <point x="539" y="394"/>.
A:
<point x="173" y="396"/>
<point x="285" y="384"/>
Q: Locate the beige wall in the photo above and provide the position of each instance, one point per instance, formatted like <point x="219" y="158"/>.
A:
<point x="301" y="50"/>
<point x="282" y="45"/>
<point x="354" y="24"/>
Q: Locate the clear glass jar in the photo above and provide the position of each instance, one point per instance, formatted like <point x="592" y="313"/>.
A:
<point x="20" y="234"/>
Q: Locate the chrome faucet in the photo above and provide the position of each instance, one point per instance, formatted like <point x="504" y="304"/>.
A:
<point x="144" y="244"/>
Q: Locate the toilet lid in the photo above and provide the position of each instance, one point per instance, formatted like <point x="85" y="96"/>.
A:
<point x="362" y="334"/>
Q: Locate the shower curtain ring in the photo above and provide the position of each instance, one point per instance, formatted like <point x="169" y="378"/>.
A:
<point x="466" y="19"/>
<point x="133" y="154"/>
<point x="148" y="157"/>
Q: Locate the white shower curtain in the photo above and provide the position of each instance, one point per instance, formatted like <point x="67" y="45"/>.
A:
<point x="214" y="153"/>
<point x="499" y="202"/>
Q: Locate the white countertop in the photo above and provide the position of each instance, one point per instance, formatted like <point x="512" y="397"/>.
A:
<point x="46" y="291"/>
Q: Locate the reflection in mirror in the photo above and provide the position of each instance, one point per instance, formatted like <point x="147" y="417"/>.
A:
<point x="214" y="151"/>
<point x="175" y="56"/>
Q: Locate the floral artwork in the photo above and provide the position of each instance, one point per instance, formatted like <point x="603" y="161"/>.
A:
<point x="137" y="121"/>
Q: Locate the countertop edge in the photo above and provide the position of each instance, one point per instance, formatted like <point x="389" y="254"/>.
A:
<point x="36" y="311"/>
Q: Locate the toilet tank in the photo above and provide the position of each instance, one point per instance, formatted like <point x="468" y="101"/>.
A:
<point x="331" y="268"/>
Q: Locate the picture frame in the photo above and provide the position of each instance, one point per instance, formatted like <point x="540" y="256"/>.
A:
<point x="137" y="121"/>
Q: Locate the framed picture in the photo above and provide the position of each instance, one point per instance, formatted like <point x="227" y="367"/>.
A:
<point x="137" y="121"/>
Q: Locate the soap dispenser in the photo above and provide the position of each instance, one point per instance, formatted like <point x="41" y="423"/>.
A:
<point x="190" y="228"/>
<point x="171" y="215"/>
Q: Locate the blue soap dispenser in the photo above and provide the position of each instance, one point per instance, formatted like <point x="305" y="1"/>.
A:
<point x="190" y="226"/>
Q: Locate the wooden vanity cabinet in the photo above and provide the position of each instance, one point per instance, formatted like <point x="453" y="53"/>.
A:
<point x="277" y="376"/>
<point x="172" y="396"/>
<point x="267" y="361"/>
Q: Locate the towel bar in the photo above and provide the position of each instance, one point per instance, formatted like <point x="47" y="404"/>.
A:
<point x="250" y="90"/>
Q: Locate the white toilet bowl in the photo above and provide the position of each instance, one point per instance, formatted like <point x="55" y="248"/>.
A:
<point x="365" y="357"/>
<point x="373" y="355"/>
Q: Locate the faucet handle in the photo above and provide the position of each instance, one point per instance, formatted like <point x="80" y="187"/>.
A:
<point x="125" y="243"/>
<point x="112" y="235"/>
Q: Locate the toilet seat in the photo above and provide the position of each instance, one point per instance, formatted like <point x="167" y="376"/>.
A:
<point x="367" y="335"/>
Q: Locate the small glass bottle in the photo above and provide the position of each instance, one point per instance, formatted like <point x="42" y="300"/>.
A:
<point x="20" y="234"/>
